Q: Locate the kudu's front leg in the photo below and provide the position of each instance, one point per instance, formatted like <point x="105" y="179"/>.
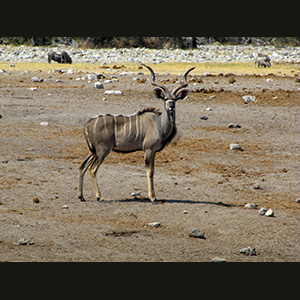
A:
<point x="149" y="163"/>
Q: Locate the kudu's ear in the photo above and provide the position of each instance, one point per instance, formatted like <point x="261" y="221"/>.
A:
<point x="183" y="94"/>
<point x="159" y="93"/>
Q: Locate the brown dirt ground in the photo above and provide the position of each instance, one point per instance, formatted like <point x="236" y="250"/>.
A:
<point x="196" y="173"/>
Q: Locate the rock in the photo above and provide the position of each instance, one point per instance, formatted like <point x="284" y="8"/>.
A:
<point x="262" y="211"/>
<point x="91" y="77"/>
<point x="36" y="200"/>
<point x="248" y="251"/>
<point x="218" y="259"/>
<point x="232" y="125"/>
<point x="65" y="207"/>
<point x="111" y="92"/>
<point x="37" y="79"/>
<point x="251" y="206"/>
<point x="203" y="117"/>
<point x="98" y="85"/>
<point x="248" y="99"/>
<point x="257" y="186"/>
<point x="44" y="123"/>
<point x="126" y="73"/>
<point x="24" y="242"/>
<point x="236" y="147"/>
<point x="136" y="194"/>
<point x="208" y="109"/>
<point x="32" y="89"/>
<point x="154" y="224"/>
<point x="297" y="200"/>
<point x="196" y="233"/>
<point x="231" y="80"/>
<point x="269" y="213"/>
<point x="70" y="71"/>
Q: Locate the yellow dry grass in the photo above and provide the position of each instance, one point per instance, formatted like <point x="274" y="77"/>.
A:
<point x="175" y="68"/>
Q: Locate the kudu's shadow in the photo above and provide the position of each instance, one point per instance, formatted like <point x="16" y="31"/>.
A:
<point x="170" y="201"/>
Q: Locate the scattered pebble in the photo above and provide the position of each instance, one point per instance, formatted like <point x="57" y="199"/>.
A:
<point x="24" y="242"/>
<point x="196" y="233"/>
<point x="111" y="92"/>
<point x="231" y="80"/>
<point x="257" y="186"/>
<point x="251" y="206"/>
<point x="248" y="251"/>
<point x="98" y="85"/>
<point x="248" y="99"/>
<point x="136" y="194"/>
<point x="232" y="125"/>
<point x="262" y="211"/>
<point x="44" y="123"/>
<point x="37" y="79"/>
<point x="236" y="147"/>
<point x="269" y="213"/>
<point x="36" y="200"/>
<point x="154" y="224"/>
<point x="65" y="206"/>
<point x="203" y="117"/>
<point x="32" y="89"/>
<point x="266" y="212"/>
<point x="218" y="259"/>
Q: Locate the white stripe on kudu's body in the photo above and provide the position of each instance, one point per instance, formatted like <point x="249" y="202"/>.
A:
<point x="149" y="130"/>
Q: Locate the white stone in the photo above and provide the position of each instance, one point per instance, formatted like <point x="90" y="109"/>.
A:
<point x="251" y="205"/>
<point x="236" y="147"/>
<point x="112" y="92"/>
<point x="248" y="99"/>
<point x="269" y="213"/>
<point x="154" y="224"/>
<point x="98" y="85"/>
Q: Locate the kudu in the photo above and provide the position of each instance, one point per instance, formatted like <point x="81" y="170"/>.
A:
<point x="149" y="130"/>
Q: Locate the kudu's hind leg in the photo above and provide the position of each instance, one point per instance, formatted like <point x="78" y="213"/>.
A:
<point x="93" y="171"/>
<point x="82" y="169"/>
<point x="93" y="168"/>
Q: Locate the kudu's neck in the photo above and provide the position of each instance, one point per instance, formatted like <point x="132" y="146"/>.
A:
<point x="167" y="121"/>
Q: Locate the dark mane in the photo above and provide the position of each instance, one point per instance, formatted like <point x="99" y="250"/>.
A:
<point x="168" y="140"/>
<point x="152" y="109"/>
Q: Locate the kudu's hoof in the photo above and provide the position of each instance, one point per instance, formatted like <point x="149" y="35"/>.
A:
<point x="81" y="199"/>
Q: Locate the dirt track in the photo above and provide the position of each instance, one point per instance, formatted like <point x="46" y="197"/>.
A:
<point x="197" y="173"/>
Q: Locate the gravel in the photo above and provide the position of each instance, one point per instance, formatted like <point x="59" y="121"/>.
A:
<point x="205" y="53"/>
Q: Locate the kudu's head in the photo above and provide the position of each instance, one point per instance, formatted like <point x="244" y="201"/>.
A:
<point x="162" y="92"/>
